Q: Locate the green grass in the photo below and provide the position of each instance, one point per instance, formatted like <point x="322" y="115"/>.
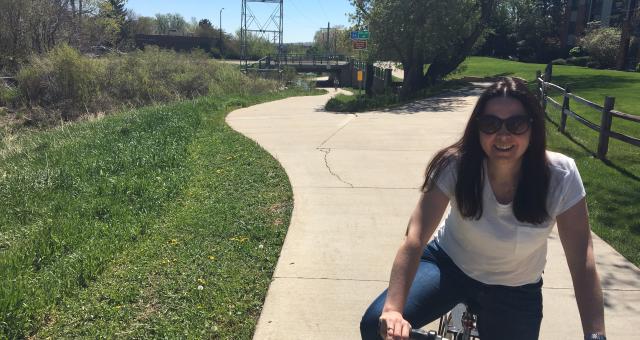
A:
<point x="108" y="228"/>
<point x="613" y="187"/>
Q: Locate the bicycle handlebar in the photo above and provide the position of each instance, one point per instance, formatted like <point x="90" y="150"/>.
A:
<point x="419" y="334"/>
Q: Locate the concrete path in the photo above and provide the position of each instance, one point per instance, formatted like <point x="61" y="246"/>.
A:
<point x="355" y="180"/>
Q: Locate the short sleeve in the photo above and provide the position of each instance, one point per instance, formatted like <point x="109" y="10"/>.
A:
<point x="572" y="189"/>
<point x="446" y="180"/>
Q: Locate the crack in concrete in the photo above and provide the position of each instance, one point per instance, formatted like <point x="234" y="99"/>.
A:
<point x="326" y="163"/>
<point x="326" y="278"/>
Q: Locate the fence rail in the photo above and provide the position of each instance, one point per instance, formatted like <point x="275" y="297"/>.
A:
<point x="607" y="113"/>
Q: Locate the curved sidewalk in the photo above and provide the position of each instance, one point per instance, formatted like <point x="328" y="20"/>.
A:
<point x="355" y="180"/>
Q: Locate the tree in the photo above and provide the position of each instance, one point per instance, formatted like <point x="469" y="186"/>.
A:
<point x="339" y="41"/>
<point x="417" y="33"/>
<point x="171" y="23"/>
<point x="205" y="29"/>
<point x="144" y="25"/>
<point x="528" y="29"/>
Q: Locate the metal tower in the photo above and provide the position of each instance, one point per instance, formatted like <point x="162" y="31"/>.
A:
<point x="271" y="30"/>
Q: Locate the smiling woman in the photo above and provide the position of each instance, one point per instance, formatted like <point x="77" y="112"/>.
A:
<point x="506" y="193"/>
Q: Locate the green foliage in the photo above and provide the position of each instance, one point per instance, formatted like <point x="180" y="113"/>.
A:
<point x="602" y="45"/>
<point x="166" y="23"/>
<point x="65" y="81"/>
<point x="576" y="52"/>
<point x="9" y="95"/>
<point x="359" y="103"/>
<point x="526" y="29"/>
<point x="638" y="67"/>
<point x="62" y="79"/>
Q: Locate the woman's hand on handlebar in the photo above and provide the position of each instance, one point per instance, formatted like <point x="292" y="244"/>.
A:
<point x="392" y="326"/>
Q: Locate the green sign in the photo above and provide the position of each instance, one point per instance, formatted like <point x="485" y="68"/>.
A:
<point x="360" y="35"/>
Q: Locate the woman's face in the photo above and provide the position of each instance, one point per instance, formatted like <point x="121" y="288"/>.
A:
<point x="505" y="146"/>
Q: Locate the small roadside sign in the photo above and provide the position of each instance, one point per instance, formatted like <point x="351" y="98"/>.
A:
<point x="359" y="35"/>
<point x="359" y="44"/>
<point x="360" y="77"/>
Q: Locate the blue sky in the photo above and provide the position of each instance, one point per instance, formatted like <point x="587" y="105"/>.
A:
<point x="302" y="18"/>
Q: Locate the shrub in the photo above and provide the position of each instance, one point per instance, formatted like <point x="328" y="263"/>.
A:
<point x="579" y="61"/>
<point x="61" y="78"/>
<point x="638" y="67"/>
<point x="66" y="82"/>
<point x="577" y="52"/>
<point x="602" y="45"/>
<point x="9" y="95"/>
<point x="559" y="62"/>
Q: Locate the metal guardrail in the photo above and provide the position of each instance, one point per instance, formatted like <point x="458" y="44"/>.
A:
<point x="607" y="114"/>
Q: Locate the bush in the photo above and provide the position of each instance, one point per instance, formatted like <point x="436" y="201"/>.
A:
<point x="9" y="95"/>
<point x="602" y="45"/>
<point x="559" y="62"/>
<point x="577" y="52"/>
<point x="579" y="61"/>
<point x="638" y="67"/>
<point x="66" y="82"/>
<point x="61" y="78"/>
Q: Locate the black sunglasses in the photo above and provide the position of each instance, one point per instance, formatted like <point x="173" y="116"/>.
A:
<point x="517" y="125"/>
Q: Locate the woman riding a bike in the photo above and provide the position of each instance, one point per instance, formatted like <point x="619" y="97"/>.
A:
<point x="506" y="193"/>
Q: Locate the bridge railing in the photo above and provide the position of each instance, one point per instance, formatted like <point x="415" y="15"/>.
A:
<point x="299" y="59"/>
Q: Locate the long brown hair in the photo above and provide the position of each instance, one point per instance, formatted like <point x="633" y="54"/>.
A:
<point x="529" y="203"/>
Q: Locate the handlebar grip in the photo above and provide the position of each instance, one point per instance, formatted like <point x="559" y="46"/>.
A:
<point x="419" y="334"/>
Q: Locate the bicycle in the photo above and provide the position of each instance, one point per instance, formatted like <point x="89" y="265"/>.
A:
<point x="458" y="324"/>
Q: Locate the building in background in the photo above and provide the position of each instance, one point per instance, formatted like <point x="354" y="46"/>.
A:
<point x="610" y="13"/>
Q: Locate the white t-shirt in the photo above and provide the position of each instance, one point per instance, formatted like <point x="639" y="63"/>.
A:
<point x="498" y="249"/>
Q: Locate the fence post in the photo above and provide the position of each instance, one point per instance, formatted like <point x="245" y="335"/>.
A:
<point x="548" y="71"/>
<point x="388" y="79"/>
<point x="605" y="127"/>
<point x="543" y="100"/>
<point x="565" y="106"/>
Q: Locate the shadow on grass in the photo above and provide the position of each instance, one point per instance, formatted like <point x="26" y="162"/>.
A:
<point x="596" y="81"/>
<point x="594" y="154"/>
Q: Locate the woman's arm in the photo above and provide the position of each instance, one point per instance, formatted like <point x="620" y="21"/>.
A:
<point x="575" y="235"/>
<point x="423" y="223"/>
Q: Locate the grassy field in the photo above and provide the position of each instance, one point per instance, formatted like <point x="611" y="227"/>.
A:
<point x="613" y="187"/>
<point x="159" y="222"/>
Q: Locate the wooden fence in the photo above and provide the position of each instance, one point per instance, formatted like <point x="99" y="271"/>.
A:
<point x="607" y="113"/>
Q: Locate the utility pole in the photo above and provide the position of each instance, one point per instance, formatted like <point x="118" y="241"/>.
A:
<point x="328" y="43"/>
<point x="220" y="41"/>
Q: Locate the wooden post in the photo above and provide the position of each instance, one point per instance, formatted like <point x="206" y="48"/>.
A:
<point x="605" y="127"/>
<point x="388" y="79"/>
<point x="548" y="71"/>
<point x="543" y="100"/>
<point x="565" y="106"/>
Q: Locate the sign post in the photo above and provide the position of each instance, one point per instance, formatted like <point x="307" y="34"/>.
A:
<point x="359" y="40"/>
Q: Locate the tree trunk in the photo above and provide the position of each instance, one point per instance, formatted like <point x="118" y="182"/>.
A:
<point x="625" y="37"/>
<point x="413" y="78"/>
<point x="448" y="62"/>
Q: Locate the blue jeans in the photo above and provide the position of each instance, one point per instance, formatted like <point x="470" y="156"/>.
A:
<point x="503" y="312"/>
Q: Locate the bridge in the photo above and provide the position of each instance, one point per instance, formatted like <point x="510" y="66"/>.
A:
<point x="302" y="62"/>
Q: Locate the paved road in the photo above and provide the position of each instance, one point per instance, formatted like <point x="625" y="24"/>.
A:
<point x="355" y="180"/>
